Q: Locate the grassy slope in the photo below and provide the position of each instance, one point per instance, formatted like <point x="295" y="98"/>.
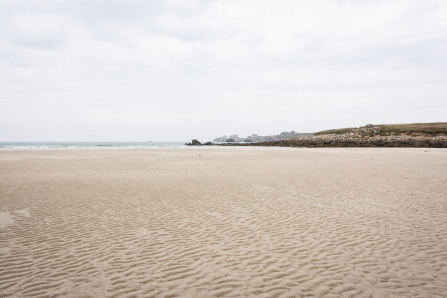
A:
<point x="429" y="129"/>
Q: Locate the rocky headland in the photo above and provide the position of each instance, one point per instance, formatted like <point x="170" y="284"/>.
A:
<point x="345" y="140"/>
<point x="426" y="135"/>
<point x="432" y="135"/>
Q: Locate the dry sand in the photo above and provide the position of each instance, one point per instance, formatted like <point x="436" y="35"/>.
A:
<point x="267" y="222"/>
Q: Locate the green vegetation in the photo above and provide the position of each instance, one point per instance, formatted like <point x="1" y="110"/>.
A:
<point x="423" y="129"/>
<point x="432" y="129"/>
<point x="338" y="131"/>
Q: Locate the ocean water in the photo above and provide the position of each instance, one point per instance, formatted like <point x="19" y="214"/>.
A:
<point x="76" y="145"/>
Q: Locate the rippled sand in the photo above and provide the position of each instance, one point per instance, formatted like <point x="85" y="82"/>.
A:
<point x="265" y="222"/>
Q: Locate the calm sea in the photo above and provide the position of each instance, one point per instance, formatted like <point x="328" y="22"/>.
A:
<point x="43" y="145"/>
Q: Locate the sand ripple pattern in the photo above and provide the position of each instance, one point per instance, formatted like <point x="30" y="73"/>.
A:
<point x="243" y="222"/>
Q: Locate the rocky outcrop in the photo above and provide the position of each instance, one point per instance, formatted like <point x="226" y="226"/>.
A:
<point x="359" y="140"/>
<point x="195" y="142"/>
<point x="369" y="130"/>
<point x="428" y="135"/>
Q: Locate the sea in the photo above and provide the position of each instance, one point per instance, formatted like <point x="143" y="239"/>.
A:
<point x="86" y="145"/>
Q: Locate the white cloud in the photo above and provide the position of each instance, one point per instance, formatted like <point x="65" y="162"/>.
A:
<point x="172" y="70"/>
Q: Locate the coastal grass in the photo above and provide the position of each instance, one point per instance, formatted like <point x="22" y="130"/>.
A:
<point x="431" y="129"/>
<point x="427" y="129"/>
<point x="337" y="131"/>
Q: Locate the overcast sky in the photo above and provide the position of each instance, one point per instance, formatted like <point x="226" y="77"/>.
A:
<point x="138" y="70"/>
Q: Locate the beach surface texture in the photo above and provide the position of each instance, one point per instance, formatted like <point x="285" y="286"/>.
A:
<point x="229" y="222"/>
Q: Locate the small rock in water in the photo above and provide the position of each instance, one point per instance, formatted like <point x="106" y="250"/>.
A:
<point x="194" y="142"/>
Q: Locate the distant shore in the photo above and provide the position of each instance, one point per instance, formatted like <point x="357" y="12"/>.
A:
<point x="345" y="140"/>
<point x="354" y="141"/>
<point x="414" y="135"/>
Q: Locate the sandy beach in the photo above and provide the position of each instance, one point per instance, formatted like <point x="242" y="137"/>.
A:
<point x="223" y="222"/>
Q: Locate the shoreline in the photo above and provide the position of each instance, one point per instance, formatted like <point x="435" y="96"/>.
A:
<point x="88" y="145"/>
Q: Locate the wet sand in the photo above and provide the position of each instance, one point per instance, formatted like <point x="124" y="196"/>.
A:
<point x="229" y="222"/>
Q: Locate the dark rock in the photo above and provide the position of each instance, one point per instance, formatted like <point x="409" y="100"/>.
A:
<point x="194" y="142"/>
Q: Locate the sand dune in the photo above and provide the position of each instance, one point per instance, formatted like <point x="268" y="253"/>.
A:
<point x="223" y="222"/>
